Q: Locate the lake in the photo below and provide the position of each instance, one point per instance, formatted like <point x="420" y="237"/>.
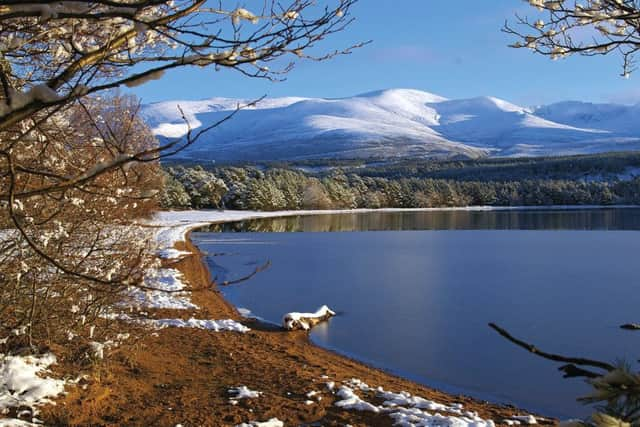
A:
<point x="414" y="291"/>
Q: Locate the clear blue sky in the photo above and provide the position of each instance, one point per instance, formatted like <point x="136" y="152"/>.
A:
<point x="433" y="45"/>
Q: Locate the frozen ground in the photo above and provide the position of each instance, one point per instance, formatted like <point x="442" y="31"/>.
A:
<point x="24" y="384"/>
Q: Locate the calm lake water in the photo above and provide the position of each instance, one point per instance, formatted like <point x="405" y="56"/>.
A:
<point x="415" y="291"/>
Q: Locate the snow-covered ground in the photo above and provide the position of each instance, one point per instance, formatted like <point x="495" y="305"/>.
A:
<point x="273" y="422"/>
<point x="169" y="283"/>
<point x="409" y="410"/>
<point x="243" y="392"/>
<point x="210" y="325"/>
<point x="24" y="382"/>
<point x="24" y="385"/>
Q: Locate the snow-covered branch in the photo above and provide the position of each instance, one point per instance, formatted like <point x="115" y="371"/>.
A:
<point x="559" y="28"/>
<point x="51" y="49"/>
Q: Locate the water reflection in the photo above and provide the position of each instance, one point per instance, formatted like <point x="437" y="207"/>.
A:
<point x="589" y="219"/>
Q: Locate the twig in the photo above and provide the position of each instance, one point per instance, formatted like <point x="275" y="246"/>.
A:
<point x="555" y="357"/>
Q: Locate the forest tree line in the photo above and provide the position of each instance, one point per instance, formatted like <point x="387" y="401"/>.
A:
<point x="251" y="188"/>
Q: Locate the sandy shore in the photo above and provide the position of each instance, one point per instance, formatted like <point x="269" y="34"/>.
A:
<point x="181" y="376"/>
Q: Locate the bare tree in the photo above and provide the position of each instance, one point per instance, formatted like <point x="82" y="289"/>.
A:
<point x="66" y="254"/>
<point x="77" y="165"/>
<point x="590" y="28"/>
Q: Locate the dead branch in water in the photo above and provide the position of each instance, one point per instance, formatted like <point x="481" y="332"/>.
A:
<point x="570" y="370"/>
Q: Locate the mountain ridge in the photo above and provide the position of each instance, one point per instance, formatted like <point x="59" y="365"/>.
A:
<point x="395" y="123"/>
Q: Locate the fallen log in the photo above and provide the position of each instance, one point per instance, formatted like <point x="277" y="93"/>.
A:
<point x="306" y="321"/>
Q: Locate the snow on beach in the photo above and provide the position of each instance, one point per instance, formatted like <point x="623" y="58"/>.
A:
<point x="23" y="380"/>
<point x="23" y="385"/>
<point x="169" y="283"/>
<point x="408" y="410"/>
<point x="210" y="325"/>
<point x="403" y="408"/>
<point x="273" y="422"/>
<point x="167" y="287"/>
<point x="243" y="392"/>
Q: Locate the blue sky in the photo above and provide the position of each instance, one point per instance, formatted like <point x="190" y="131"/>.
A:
<point x="454" y="49"/>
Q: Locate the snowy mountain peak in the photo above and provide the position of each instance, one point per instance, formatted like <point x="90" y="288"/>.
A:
<point x="484" y="105"/>
<point x="412" y="95"/>
<point x="506" y="105"/>
<point x="395" y="123"/>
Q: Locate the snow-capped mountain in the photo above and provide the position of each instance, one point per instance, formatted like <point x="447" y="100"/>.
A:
<point x="394" y="123"/>
<point x="612" y="117"/>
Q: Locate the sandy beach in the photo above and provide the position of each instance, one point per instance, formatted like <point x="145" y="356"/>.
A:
<point x="182" y="376"/>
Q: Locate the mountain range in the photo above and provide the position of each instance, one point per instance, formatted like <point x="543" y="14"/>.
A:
<point x="394" y="123"/>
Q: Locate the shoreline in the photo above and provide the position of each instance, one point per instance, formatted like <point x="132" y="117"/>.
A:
<point x="439" y="387"/>
<point x="420" y="382"/>
<point x="201" y="215"/>
<point x="181" y="222"/>
<point x="182" y="375"/>
<point x="353" y="359"/>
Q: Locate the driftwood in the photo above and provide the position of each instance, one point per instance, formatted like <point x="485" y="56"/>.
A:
<point x="572" y="367"/>
<point x="630" y="326"/>
<point x="306" y="321"/>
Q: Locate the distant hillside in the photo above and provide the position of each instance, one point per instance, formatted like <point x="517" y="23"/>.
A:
<point x="396" y="123"/>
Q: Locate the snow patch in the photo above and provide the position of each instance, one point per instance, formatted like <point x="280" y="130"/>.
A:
<point x="243" y="392"/>
<point x="6" y="422"/>
<point x="524" y="419"/>
<point x="23" y="384"/>
<point x="172" y="253"/>
<point x="406" y="409"/>
<point x="210" y="325"/>
<point x="167" y="285"/>
<point x="273" y="422"/>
